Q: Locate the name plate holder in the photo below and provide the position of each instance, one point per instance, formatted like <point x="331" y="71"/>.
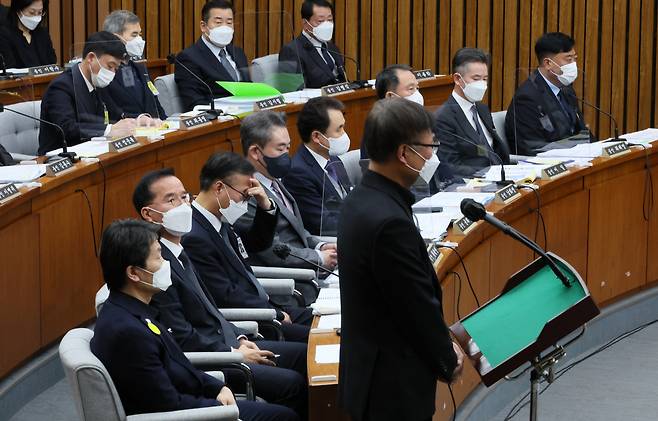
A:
<point x="507" y="194"/>
<point x="193" y="122"/>
<point x="337" y="89"/>
<point x="44" y="70"/>
<point x="424" y="74"/>
<point x="123" y="144"/>
<point x="554" y="171"/>
<point x="270" y="103"/>
<point x="616" y="149"/>
<point x="434" y="254"/>
<point x="59" y="167"/>
<point x="463" y="226"/>
<point x="8" y="192"/>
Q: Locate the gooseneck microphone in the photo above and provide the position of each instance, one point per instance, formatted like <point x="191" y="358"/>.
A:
<point x="357" y="84"/>
<point x="475" y="212"/>
<point x="605" y="113"/>
<point x="282" y="251"/>
<point x="212" y="112"/>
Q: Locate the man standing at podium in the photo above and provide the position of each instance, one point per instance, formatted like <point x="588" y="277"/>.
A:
<point x="395" y="344"/>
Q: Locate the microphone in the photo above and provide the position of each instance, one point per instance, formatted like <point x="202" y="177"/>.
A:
<point x="282" y="251"/>
<point x="4" y="74"/>
<point x="65" y="153"/>
<point x="357" y="84"/>
<point x="212" y="112"/>
<point x="475" y="212"/>
<point x="503" y="181"/>
<point x="607" y="114"/>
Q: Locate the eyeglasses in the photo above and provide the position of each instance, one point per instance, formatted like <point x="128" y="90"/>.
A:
<point x="245" y="196"/>
<point x="434" y="145"/>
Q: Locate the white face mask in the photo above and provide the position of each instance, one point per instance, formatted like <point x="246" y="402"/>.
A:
<point x="103" y="78"/>
<point x="416" y="97"/>
<point x="177" y="221"/>
<point x="338" y="145"/>
<point x="234" y="210"/>
<point x="221" y="36"/>
<point x="474" y="91"/>
<point x="30" y="22"/>
<point x="324" y="31"/>
<point x="429" y="168"/>
<point x="569" y="73"/>
<point x="161" y="277"/>
<point x="135" y="47"/>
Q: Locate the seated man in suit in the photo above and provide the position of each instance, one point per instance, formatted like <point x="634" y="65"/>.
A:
<point x="318" y="180"/>
<point x="132" y="91"/>
<point x="149" y="370"/>
<point x="190" y="311"/>
<point x="544" y="108"/>
<point x="463" y="115"/>
<point x="265" y="143"/>
<point x="219" y="254"/>
<point x="76" y="101"/>
<point x="213" y="57"/>
<point x="312" y="53"/>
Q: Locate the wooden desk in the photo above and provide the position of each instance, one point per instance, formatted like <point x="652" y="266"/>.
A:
<point x="50" y="271"/>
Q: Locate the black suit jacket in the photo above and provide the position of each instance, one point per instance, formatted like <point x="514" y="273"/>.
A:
<point x="5" y="157"/>
<point x="224" y="275"/>
<point x="200" y="60"/>
<point x="536" y="118"/>
<point x="149" y="370"/>
<point x="319" y="202"/>
<point x="19" y="53"/>
<point x="464" y="158"/>
<point x="196" y="323"/>
<point x="393" y="336"/>
<point x="130" y="93"/>
<point x="68" y="103"/>
<point x="300" y="56"/>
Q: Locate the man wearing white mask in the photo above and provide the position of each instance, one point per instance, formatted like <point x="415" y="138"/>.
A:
<point x="132" y="90"/>
<point x="212" y="58"/>
<point x="317" y="179"/>
<point x="463" y="115"/>
<point x="77" y="101"/>
<point x="544" y="108"/>
<point x="312" y="53"/>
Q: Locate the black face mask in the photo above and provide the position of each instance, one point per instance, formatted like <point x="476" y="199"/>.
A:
<point x="278" y="167"/>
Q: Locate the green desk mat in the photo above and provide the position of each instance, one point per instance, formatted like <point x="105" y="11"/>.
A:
<point x="513" y="321"/>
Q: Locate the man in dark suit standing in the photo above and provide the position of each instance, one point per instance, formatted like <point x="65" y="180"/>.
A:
<point x="318" y="180"/>
<point x="213" y="57"/>
<point x="399" y="341"/>
<point x="544" y="108"/>
<point x="312" y="53"/>
<point x="464" y="115"/>
<point x="132" y="90"/>
<point x="266" y="142"/>
<point x="219" y="254"/>
<point x="77" y="101"/>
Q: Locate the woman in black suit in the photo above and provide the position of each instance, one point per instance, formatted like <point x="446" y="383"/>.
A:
<point x="24" y="41"/>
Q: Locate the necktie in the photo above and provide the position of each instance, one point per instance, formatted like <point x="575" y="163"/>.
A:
<point x="227" y="66"/>
<point x="566" y="107"/>
<point x="332" y="170"/>
<point x="478" y="128"/>
<point x="276" y="189"/>
<point x="225" y="234"/>
<point x="327" y="57"/>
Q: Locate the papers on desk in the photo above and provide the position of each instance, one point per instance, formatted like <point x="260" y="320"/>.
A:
<point x="432" y="225"/>
<point x="90" y="149"/>
<point x="643" y="137"/>
<point x="302" y="96"/>
<point x="18" y="72"/>
<point x="21" y="173"/>
<point x="330" y="321"/>
<point x="327" y="354"/>
<point x="328" y="302"/>
<point x="515" y="172"/>
<point x="452" y="199"/>
<point x="583" y="150"/>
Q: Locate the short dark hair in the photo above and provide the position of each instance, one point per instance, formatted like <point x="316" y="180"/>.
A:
<point x="468" y="55"/>
<point x="256" y="128"/>
<point x="388" y="80"/>
<point x="125" y="242"/>
<point x="17" y="5"/>
<point x="553" y="43"/>
<point x="104" y="42"/>
<point x="222" y="165"/>
<point x="391" y="123"/>
<point x="315" y="116"/>
<point x="143" y="195"/>
<point x="215" y="4"/>
<point x="307" y="7"/>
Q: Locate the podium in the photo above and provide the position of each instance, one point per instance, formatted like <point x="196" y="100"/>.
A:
<point x="533" y="312"/>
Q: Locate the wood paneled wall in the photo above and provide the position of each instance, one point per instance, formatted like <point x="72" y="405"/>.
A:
<point x="616" y="40"/>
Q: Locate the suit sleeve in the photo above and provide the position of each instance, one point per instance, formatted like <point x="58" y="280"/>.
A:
<point x="192" y="91"/>
<point x="59" y="105"/>
<point x="522" y="125"/>
<point x="419" y="314"/>
<point x="261" y="233"/>
<point x="307" y="196"/>
<point x="5" y="157"/>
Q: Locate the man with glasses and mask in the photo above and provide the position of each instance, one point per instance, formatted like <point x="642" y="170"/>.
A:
<point x="77" y="101"/>
<point x="464" y="115"/>
<point x="399" y="342"/>
<point x="544" y="108"/>
<point x="213" y="57"/>
<point x="312" y="53"/>
<point x="219" y="253"/>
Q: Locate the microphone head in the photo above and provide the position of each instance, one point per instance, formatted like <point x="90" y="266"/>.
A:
<point x="171" y="58"/>
<point x="282" y="251"/>
<point x="472" y="210"/>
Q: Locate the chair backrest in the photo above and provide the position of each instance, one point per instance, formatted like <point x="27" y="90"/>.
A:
<point x="169" y="97"/>
<point x="94" y="393"/>
<point x="264" y="67"/>
<point x="101" y="296"/>
<point x="19" y="134"/>
<point x="499" y="124"/>
<point x="352" y="166"/>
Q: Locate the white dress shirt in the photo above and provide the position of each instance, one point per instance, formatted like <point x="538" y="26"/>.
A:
<point x="554" y="89"/>
<point x="175" y="249"/>
<point x="322" y="162"/>
<point x="466" y="107"/>
<point x="317" y="44"/>
<point x="216" y="50"/>
<point x="91" y="88"/>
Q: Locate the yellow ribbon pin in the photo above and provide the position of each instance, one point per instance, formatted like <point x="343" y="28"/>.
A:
<point x="152" y="326"/>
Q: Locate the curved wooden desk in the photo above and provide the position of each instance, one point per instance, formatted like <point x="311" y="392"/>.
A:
<point x="50" y="273"/>
<point x="595" y="219"/>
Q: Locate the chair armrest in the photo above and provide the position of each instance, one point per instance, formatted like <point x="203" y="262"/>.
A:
<point x="249" y="326"/>
<point x="327" y="238"/>
<point x="214" y="413"/>
<point x="278" y="286"/>
<point x="278" y="272"/>
<point x="18" y="157"/>
<point x="255" y="314"/>
<point x="217" y="374"/>
<point x="214" y="359"/>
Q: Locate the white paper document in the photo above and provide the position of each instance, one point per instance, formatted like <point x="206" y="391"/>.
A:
<point x="431" y="225"/>
<point x="452" y="199"/>
<point x="583" y="150"/>
<point x="21" y="173"/>
<point x="643" y="137"/>
<point x="327" y="354"/>
<point x="330" y="321"/>
<point x="515" y="172"/>
<point x="90" y="149"/>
